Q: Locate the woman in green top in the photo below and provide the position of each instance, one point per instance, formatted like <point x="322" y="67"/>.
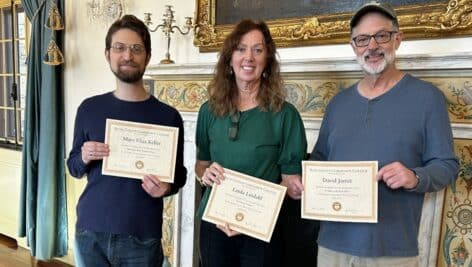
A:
<point x="247" y="126"/>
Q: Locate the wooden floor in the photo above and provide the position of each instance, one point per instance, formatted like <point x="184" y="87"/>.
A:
<point x="11" y="255"/>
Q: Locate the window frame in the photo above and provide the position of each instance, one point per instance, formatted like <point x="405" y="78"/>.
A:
<point x="12" y="130"/>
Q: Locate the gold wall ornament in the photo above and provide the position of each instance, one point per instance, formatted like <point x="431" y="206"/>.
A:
<point x="419" y="21"/>
<point x="458" y="16"/>
<point x="53" y="54"/>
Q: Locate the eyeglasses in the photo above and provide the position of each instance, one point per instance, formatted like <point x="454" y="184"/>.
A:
<point x="135" y="49"/>
<point x="234" y="127"/>
<point x="381" y="37"/>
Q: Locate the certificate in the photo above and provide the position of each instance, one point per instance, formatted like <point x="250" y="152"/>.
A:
<point x="137" y="149"/>
<point x="248" y="205"/>
<point x="343" y="191"/>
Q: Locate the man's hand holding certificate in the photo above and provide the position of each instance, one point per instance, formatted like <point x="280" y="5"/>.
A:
<point x="246" y="204"/>
<point x="137" y="149"/>
<point x="340" y="191"/>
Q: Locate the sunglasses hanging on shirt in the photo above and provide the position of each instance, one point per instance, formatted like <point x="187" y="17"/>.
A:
<point x="234" y="126"/>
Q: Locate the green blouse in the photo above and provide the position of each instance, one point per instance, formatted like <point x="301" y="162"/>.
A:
<point x="267" y="143"/>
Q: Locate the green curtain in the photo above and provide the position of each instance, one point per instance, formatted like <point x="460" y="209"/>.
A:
<point x="43" y="212"/>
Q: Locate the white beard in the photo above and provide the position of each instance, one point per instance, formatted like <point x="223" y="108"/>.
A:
<point x="378" y="68"/>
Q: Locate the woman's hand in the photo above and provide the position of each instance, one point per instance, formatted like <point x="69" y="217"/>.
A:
<point x="294" y="185"/>
<point x="213" y="174"/>
<point x="227" y="230"/>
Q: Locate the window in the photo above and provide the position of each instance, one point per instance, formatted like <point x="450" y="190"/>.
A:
<point x="14" y="29"/>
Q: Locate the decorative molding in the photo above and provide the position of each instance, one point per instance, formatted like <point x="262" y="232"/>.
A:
<point x="428" y="236"/>
<point x="170" y="230"/>
<point x="462" y="130"/>
<point x="412" y="62"/>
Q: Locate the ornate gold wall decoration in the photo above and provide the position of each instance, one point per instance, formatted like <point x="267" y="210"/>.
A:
<point x="183" y="95"/>
<point x="310" y="93"/>
<point x="458" y="92"/>
<point x="168" y="227"/>
<point x="432" y="20"/>
<point x="457" y="16"/>
<point x="456" y="228"/>
<point x="309" y="96"/>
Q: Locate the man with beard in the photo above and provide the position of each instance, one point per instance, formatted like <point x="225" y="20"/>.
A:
<point x="401" y="122"/>
<point x="119" y="220"/>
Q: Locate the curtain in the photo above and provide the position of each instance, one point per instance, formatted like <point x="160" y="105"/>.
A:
<point x="43" y="212"/>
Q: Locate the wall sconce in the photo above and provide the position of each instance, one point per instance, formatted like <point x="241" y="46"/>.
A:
<point x="105" y="11"/>
<point x="168" y="28"/>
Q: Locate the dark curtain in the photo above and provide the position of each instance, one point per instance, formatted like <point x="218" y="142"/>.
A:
<point x="43" y="213"/>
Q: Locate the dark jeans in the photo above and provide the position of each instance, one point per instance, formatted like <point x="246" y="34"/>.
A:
<point x="218" y="250"/>
<point x="102" y="249"/>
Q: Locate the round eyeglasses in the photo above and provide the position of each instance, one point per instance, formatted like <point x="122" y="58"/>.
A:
<point x="135" y="49"/>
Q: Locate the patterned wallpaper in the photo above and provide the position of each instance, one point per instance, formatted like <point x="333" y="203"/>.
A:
<point x="311" y="96"/>
<point x="456" y="237"/>
<point x="458" y="91"/>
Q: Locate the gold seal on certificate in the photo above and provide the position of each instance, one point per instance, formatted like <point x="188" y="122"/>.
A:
<point x="139" y="164"/>
<point x="343" y="191"/>
<point x="137" y="149"/>
<point x="247" y="204"/>
<point x="336" y="206"/>
<point x="239" y="216"/>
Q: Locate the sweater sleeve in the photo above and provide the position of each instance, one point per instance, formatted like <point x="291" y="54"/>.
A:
<point x="76" y="166"/>
<point x="293" y="146"/>
<point x="180" y="173"/>
<point x="440" y="165"/>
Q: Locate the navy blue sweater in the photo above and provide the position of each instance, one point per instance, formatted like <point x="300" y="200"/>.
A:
<point x="119" y="205"/>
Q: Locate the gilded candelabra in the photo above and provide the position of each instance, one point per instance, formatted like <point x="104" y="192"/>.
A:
<point x="168" y="28"/>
